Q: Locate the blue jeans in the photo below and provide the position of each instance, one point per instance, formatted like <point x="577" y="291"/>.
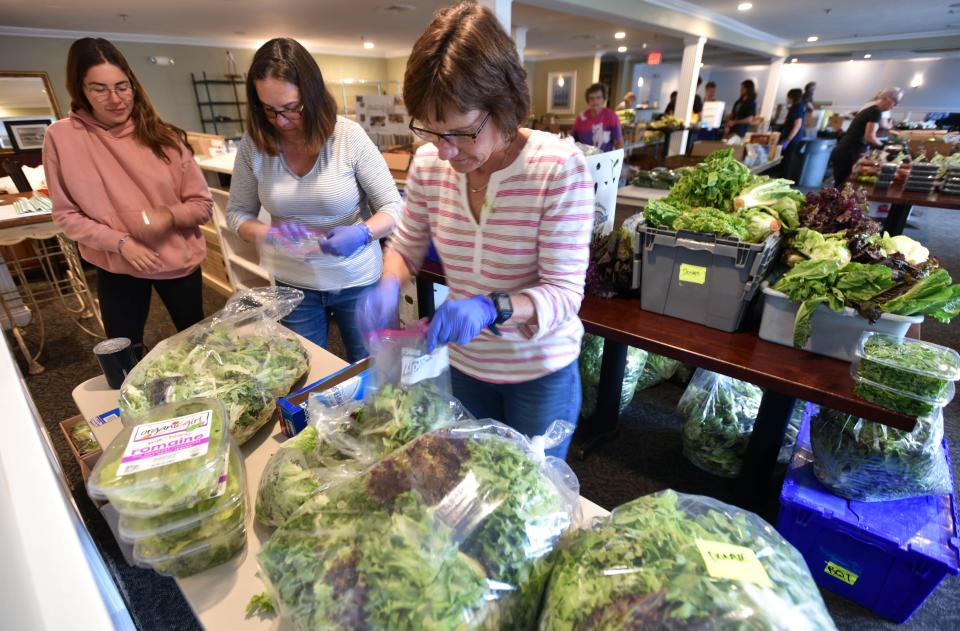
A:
<point x="528" y="407"/>
<point x="311" y="318"/>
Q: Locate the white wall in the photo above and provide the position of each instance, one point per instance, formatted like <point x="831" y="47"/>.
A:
<point x="658" y="82"/>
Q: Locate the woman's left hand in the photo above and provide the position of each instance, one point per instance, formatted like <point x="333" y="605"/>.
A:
<point x="460" y="321"/>
<point x="345" y="240"/>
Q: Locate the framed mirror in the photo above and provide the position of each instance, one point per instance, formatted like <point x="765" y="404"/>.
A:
<point x="27" y="105"/>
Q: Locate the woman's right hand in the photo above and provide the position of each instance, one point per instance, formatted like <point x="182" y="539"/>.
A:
<point x="140" y="256"/>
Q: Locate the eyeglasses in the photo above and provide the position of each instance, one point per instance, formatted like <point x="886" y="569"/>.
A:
<point x="454" y="138"/>
<point x="101" y="92"/>
<point x="289" y="113"/>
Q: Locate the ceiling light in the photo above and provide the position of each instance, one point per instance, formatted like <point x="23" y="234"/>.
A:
<point x="348" y="81"/>
<point x="917" y="80"/>
<point x="744" y="6"/>
<point x="644" y="44"/>
<point x="639" y="82"/>
<point x="368" y="45"/>
<point x="560" y="82"/>
<point x="867" y="56"/>
<point x="794" y="60"/>
<point x="619" y="35"/>
<point x="812" y="38"/>
<point x="621" y="49"/>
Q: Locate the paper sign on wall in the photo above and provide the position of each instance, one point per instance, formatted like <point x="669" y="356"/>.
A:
<point x="384" y="114"/>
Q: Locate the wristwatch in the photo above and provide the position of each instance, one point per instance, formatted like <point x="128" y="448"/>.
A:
<point x="504" y="307"/>
<point x="121" y="241"/>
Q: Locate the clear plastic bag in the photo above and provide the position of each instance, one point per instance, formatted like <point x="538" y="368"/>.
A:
<point x="301" y="260"/>
<point x="240" y="356"/>
<point x="866" y="461"/>
<point x="718" y="415"/>
<point x="675" y="561"/>
<point x="408" y="394"/>
<point x="591" y="357"/>
<point x="454" y="531"/>
<point x="656" y="370"/>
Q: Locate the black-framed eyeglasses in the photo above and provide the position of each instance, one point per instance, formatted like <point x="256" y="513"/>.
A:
<point x="289" y="113"/>
<point x="454" y="138"/>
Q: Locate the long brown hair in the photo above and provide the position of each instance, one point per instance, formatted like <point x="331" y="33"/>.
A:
<point x="149" y="129"/>
<point x="287" y="60"/>
<point x="467" y="61"/>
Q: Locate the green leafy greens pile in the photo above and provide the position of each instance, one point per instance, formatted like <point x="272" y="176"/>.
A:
<point x="591" y="357"/>
<point x="610" y="270"/>
<point x="453" y="531"/>
<point x="866" y="461"/>
<point x="659" y="368"/>
<point x="246" y="371"/>
<point x="642" y="568"/>
<point x="343" y="443"/>
<point x="83" y="438"/>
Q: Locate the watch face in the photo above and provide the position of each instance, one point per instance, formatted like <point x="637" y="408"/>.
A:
<point x="502" y="303"/>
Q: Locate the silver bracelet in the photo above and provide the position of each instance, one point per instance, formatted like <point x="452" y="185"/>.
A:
<point x="120" y="243"/>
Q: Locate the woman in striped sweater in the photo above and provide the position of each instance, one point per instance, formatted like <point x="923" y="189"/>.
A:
<point x="510" y="211"/>
<point x="325" y="184"/>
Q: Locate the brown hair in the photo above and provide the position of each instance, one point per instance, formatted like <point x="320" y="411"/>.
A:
<point x="596" y="87"/>
<point x="287" y="60"/>
<point x="149" y="129"/>
<point x="467" y="61"/>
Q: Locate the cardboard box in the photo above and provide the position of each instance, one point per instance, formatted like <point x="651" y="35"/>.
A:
<point x="703" y="148"/>
<point x="87" y="460"/>
<point x="291" y="412"/>
<point x="768" y="139"/>
<point x="203" y="143"/>
<point x="930" y="147"/>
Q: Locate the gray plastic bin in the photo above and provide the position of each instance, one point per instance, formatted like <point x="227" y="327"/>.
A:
<point x="701" y="277"/>
<point x="809" y="164"/>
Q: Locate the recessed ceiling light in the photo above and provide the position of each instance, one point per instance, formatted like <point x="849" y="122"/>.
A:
<point x="622" y="49"/>
<point x="744" y="6"/>
<point x="619" y="35"/>
<point x="867" y="56"/>
<point x="812" y="38"/>
<point x="794" y="60"/>
<point x="368" y="45"/>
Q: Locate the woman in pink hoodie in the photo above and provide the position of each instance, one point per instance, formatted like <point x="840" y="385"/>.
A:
<point x="125" y="187"/>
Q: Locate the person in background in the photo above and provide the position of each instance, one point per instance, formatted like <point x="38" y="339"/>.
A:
<point x="598" y="125"/>
<point x="671" y="105"/>
<point x="126" y="188"/>
<point x="697" y="101"/>
<point x="744" y="109"/>
<point x="807" y="97"/>
<point x="322" y="180"/>
<point x="628" y="102"/>
<point x="792" y="131"/>
<point x="710" y="92"/>
<point x="511" y="213"/>
<point x="861" y="134"/>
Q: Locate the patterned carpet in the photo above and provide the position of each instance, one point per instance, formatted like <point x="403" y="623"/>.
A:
<point x="645" y="458"/>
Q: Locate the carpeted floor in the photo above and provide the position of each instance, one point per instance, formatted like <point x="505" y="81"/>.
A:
<point x="646" y="457"/>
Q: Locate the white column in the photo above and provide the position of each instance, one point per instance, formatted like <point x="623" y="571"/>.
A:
<point x="595" y="76"/>
<point x="689" y="71"/>
<point x="520" y="39"/>
<point x="502" y="8"/>
<point x="770" y="91"/>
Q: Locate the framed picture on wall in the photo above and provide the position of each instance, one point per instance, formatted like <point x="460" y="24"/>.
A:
<point x="26" y="135"/>
<point x="561" y="92"/>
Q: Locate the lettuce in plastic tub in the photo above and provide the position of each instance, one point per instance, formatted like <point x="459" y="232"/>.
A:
<point x="169" y="459"/>
<point x="192" y="556"/>
<point x="241" y="356"/>
<point x="343" y="440"/>
<point x="591" y="357"/>
<point x="675" y="561"/>
<point x="453" y="531"/>
<point x="719" y="413"/>
<point x="866" y="461"/>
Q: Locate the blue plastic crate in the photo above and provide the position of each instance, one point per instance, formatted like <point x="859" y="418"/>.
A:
<point x="886" y="556"/>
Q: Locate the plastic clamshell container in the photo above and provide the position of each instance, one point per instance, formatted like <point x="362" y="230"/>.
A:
<point x="216" y="509"/>
<point x="170" y="459"/>
<point x="196" y="557"/>
<point x="832" y="334"/>
<point x="887" y="556"/>
<point x="896" y="398"/>
<point x="701" y="277"/>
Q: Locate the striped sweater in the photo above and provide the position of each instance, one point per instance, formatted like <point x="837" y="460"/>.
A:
<point x="533" y="238"/>
<point x="349" y="182"/>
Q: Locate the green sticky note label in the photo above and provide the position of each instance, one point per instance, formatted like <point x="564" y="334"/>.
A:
<point x="693" y="274"/>
<point x="724" y="560"/>
<point x="840" y="573"/>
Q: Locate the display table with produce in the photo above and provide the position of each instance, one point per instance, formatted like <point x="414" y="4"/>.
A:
<point x="901" y="202"/>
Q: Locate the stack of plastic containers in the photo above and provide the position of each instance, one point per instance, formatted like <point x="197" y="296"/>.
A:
<point x="951" y="182"/>
<point x="922" y="177"/>
<point x="888" y="172"/>
<point x="903" y="374"/>
<point x="178" y="484"/>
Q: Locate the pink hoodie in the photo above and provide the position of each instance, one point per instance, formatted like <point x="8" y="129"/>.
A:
<point x="101" y="179"/>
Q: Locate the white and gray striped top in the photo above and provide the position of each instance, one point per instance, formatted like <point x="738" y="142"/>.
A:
<point x="349" y="183"/>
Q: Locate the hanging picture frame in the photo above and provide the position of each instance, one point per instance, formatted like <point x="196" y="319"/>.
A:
<point x="561" y="92"/>
<point x="26" y="135"/>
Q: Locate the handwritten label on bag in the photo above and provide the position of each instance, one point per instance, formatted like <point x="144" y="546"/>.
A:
<point x="415" y="366"/>
<point x="724" y="560"/>
<point x="161" y="443"/>
<point x="692" y="274"/>
<point x="840" y="573"/>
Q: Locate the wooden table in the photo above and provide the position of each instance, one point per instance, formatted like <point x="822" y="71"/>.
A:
<point x="902" y="201"/>
<point x="784" y="373"/>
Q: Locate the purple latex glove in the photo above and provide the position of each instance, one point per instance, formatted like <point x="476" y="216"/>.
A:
<point x="345" y="240"/>
<point x="377" y="307"/>
<point x="460" y="321"/>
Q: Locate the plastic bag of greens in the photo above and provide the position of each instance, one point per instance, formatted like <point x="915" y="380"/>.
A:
<point x="241" y="356"/>
<point x="591" y="357"/>
<point x="454" y="531"/>
<point x="675" y="561"/>
<point x="656" y="370"/>
<point x="718" y="413"/>
<point x="792" y="432"/>
<point x="408" y="394"/>
<point x="866" y="461"/>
